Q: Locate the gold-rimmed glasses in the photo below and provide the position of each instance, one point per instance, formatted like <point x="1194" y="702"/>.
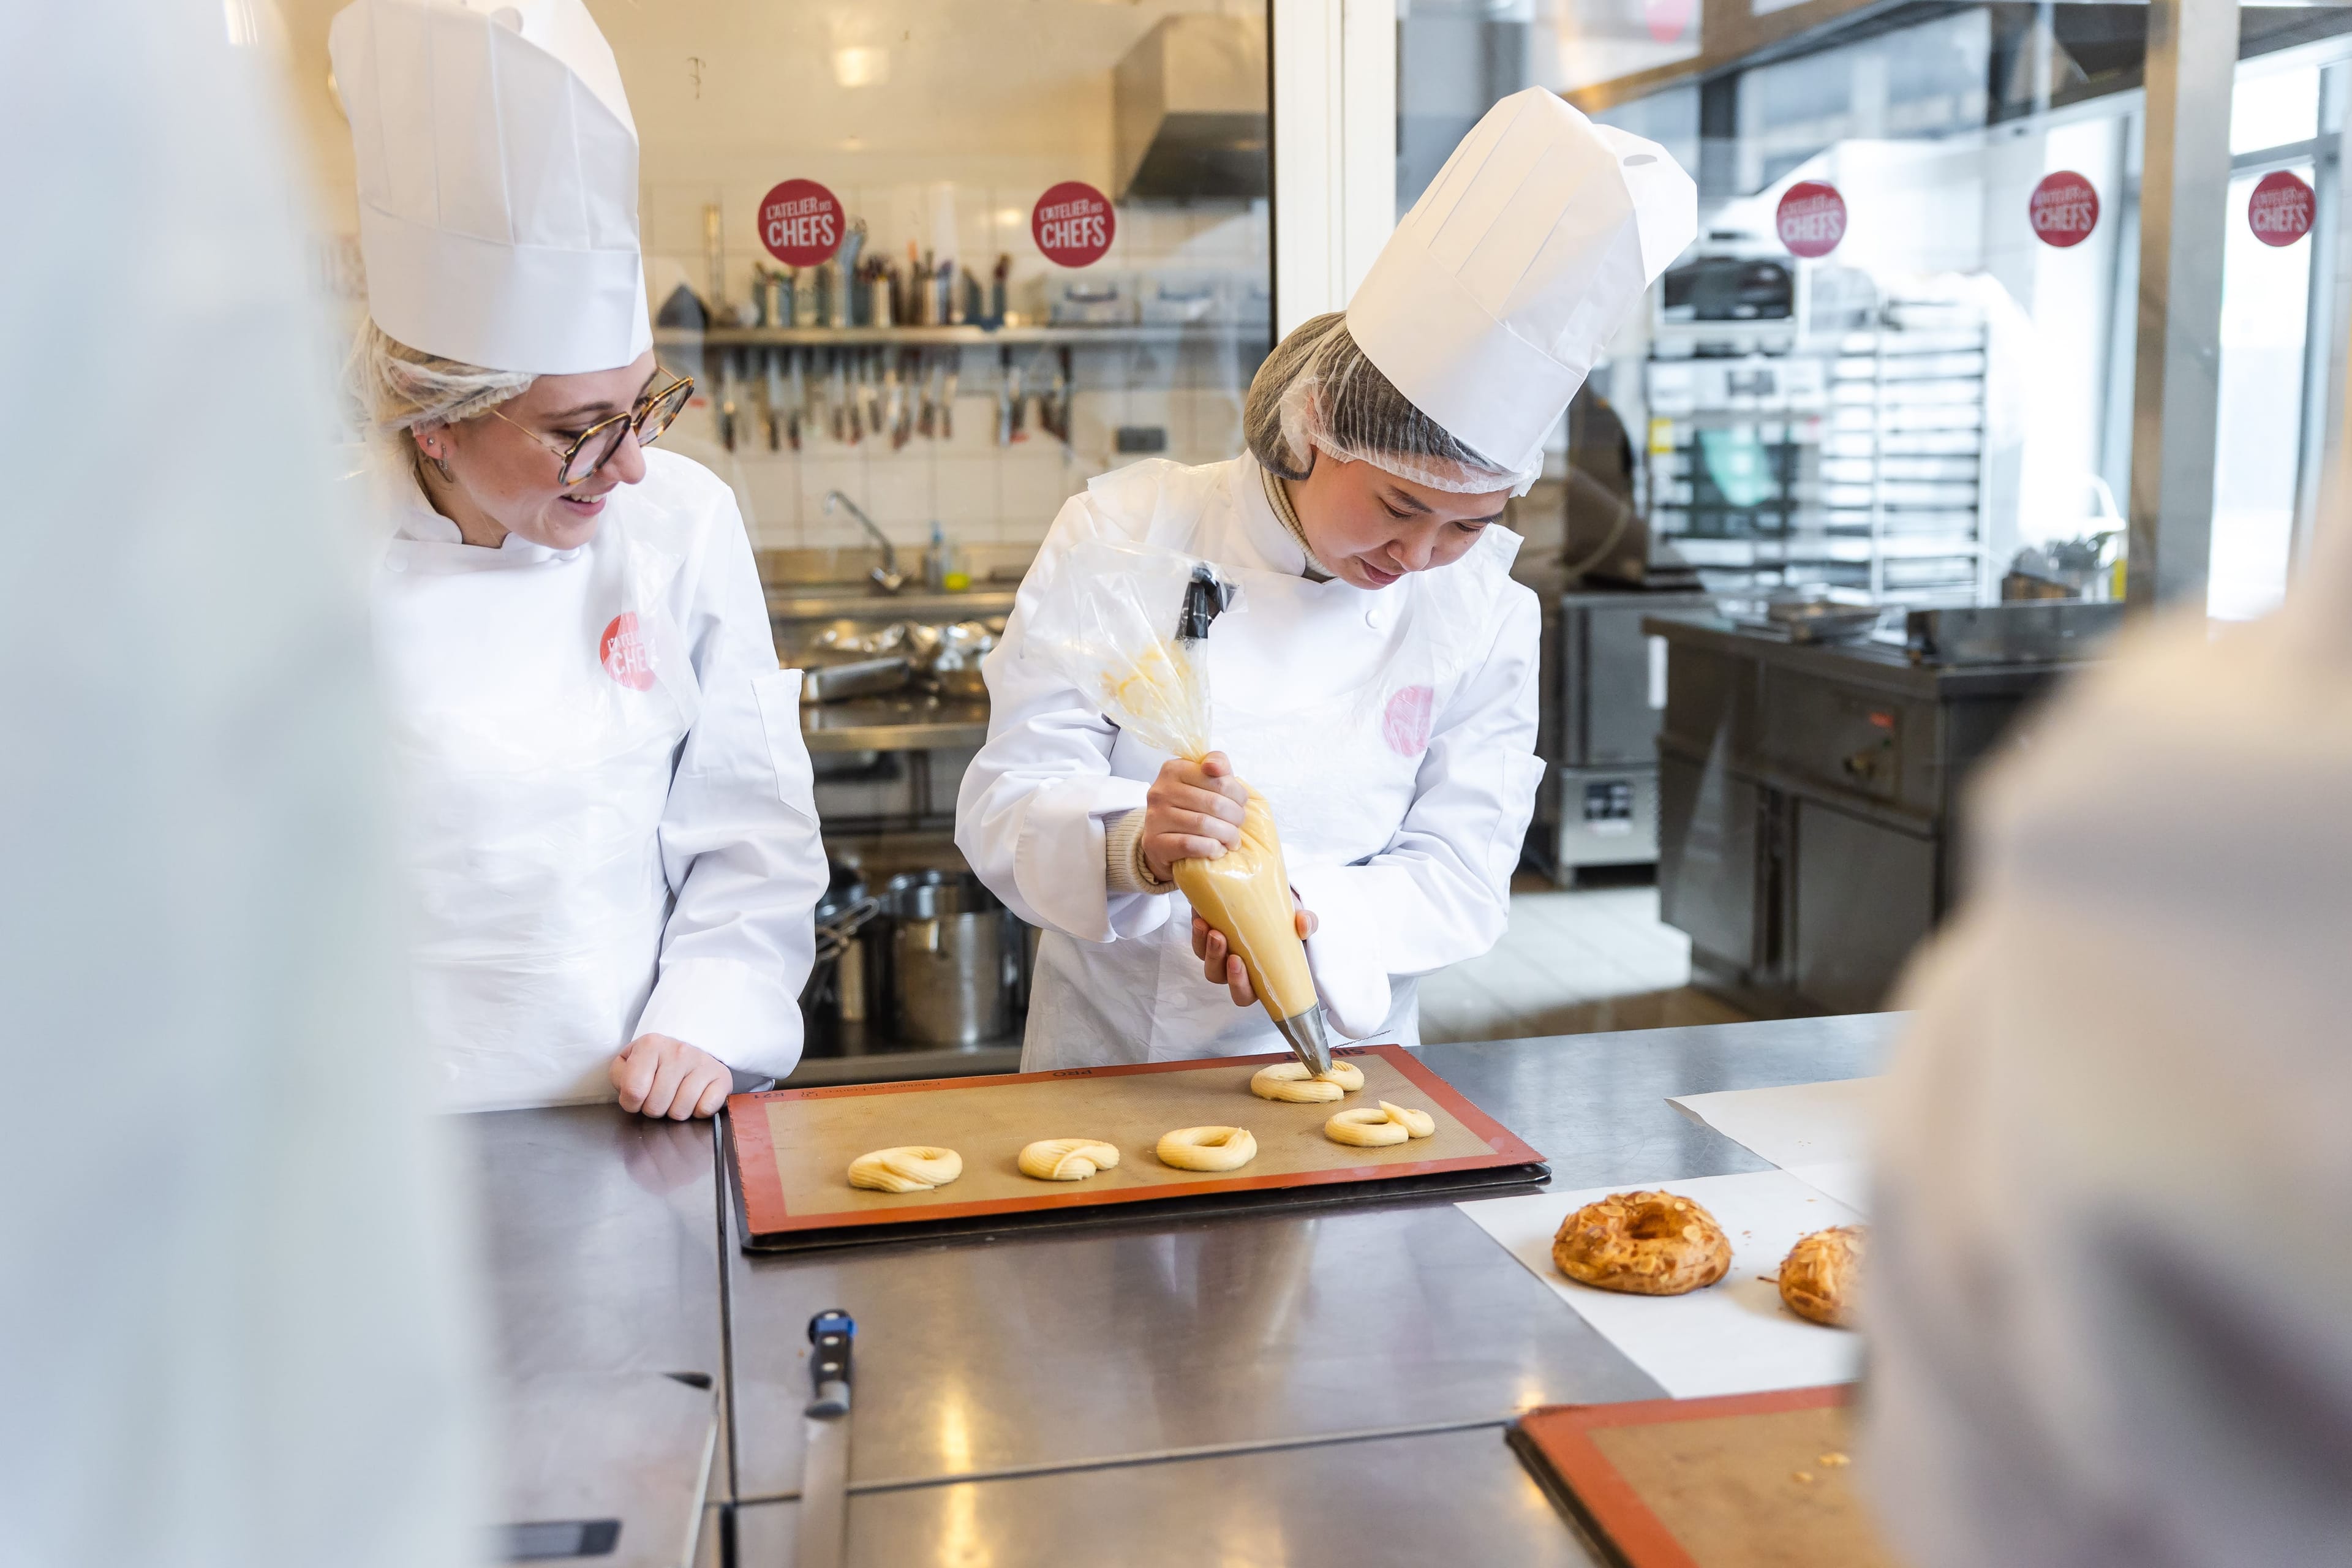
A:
<point x="594" y="446"/>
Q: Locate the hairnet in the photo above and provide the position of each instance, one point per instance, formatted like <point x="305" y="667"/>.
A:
<point x="400" y="389"/>
<point x="1318" y="392"/>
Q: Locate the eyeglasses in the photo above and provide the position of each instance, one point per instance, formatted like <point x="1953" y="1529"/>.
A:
<point x="594" y="446"/>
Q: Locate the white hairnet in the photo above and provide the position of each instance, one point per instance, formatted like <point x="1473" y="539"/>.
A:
<point x="1318" y="392"/>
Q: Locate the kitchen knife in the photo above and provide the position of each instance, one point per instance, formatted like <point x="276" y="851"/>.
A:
<point x="824" y="1446"/>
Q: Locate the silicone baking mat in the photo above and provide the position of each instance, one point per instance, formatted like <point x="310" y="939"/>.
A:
<point x="1748" y="1480"/>
<point x="793" y="1147"/>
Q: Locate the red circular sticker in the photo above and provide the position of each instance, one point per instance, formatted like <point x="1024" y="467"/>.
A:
<point x="1405" y="723"/>
<point x="1072" y="224"/>
<point x="2063" y="209"/>
<point x="799" y="222"/>
<point x="623" y="651"/>
<point x="1811" y="218"/>
<point x="2280" y="209"/>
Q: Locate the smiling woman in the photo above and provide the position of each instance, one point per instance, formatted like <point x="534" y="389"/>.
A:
<point x="612" y="834"/>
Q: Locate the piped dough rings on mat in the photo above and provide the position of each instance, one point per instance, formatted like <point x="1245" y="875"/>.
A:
<point x="1376" y="1127"/>
<point x="1646" y="1244"/>
<point x="1291" y="1081"/>
<point x="1208" y="1148"/>
<point x="1066" y="1159"/>
<point x="916" y="1168"/>
<point x="1818" y="1275"/>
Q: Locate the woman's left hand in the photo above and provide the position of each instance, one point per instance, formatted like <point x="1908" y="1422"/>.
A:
<point x="1219" y="966"/>
<point x="661" y="1076"/>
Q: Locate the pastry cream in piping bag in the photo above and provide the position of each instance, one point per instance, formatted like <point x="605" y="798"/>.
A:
<point x="1159" y="691"/>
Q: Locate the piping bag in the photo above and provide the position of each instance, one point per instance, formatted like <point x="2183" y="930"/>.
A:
<point x="1104" y="630"/>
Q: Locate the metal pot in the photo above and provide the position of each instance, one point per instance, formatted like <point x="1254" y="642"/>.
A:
<point x="955" y="959"/>
<point x="835" y="1002"/>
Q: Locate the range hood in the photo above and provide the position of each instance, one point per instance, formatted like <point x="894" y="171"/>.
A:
<point x="1189" y="111"/>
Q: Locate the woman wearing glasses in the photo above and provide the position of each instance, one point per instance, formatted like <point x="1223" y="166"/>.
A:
<point x="609" y="801"/>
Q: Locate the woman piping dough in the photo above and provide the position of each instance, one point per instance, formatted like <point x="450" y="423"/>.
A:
<point x="610" y="817"/>
<point x="1380" y="688"/>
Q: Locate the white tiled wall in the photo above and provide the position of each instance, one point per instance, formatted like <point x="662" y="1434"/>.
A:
<point x="979" y="492"/>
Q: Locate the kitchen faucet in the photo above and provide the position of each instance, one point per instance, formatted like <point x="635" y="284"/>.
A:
<point x="887" y="577"/>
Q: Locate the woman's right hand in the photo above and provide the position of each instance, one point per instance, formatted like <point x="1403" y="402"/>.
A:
<point x="1192" y="812"/>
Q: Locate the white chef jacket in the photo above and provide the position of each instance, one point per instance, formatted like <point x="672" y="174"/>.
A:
<point x="1392" y="732"/>
<point x="611" y="814"/>
<point x="2108" y="1294"/>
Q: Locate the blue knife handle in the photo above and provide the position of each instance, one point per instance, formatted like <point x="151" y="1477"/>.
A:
<point x="830" y="1333"/>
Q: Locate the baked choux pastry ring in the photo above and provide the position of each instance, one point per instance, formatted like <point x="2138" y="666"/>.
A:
<point x="915" y="1168"/>
<point x="1376" y="1127"/>
<point x="1646" y="1244"/>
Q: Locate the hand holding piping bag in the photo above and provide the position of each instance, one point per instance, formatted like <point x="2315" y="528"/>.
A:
<point x="1194" y="812"/>
<point x="1204" y="828"/>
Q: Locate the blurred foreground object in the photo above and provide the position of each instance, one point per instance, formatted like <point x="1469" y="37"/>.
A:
<point x="231" y="1315"/>
<point x="2111" y="1295"/>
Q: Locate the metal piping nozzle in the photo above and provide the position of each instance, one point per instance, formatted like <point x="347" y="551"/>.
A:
<point x="1308" y="1040"/>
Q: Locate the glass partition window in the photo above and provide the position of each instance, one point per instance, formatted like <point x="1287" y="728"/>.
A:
<point x="2274" y="314"/>
<point x="1898" y="359"/>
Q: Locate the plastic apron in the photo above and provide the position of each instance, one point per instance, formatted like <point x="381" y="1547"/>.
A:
<point x="1322" y="696"/>
<point x="540" y="701"/>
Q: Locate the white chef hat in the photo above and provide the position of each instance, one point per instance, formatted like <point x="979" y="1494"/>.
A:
<point x="1498" y="289"/>
<point x="498" y="181"/>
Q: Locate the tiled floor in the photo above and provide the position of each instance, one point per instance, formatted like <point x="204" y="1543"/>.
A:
<point x="1573" y="963"/>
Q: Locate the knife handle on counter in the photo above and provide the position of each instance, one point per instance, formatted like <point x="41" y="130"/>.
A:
<point x="830" y="1333"/>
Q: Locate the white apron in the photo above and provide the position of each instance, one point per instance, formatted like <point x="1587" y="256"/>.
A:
<point x="1326" y="716"/>
<point x="540" y="698"/>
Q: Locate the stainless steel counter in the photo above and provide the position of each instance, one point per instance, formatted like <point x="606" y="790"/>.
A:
<point x="1456" y="1496"/>
<point x="1174" y="1341"/>
<point x="1322" y="1387"/>
<point x="600" y="1247"/>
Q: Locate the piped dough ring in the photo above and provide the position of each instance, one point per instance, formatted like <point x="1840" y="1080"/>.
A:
<point x="1208" y="1148"/>
<point x="1369" y="1127"/>
<point x="915" y="1168"/>
<point x="1066" y="1159"/>
<point x="1293" y="1084"/>
<point x="1818" y="1276"/>
<point x="1644" y="1244"/>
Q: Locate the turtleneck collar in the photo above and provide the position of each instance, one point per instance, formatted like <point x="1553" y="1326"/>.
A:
<point x="1277" y="496"/>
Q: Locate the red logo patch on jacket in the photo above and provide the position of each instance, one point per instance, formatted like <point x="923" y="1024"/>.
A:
<point x="626" y="655"/>
<point x="1405" y="724"/>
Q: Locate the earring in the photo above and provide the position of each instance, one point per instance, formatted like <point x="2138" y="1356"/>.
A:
<point x="433" y="456"/>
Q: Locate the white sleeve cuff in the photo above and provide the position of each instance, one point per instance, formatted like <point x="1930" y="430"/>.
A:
<point x="1059" y="862"/>
<point x="1344" y="953"/>
<point x="728" y="1009"/>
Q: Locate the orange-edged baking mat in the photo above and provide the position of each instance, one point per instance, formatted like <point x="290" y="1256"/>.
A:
<point x="791" y="1148"/>
<point x="1748" y="1480"/>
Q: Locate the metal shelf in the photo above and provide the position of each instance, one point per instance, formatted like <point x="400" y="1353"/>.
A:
<point x="895" y="724"/>
<point x="952" y="337"/>
<point x="831" y="602"/>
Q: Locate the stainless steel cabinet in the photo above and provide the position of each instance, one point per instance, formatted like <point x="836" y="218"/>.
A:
<point x="1809" y="806"/>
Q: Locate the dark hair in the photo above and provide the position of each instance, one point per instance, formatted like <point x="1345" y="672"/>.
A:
<point x="1357" y="407"/>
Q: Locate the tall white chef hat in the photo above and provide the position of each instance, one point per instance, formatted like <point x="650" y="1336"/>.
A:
<point x="1489" y="303"/>
<point x="498" y="181"/>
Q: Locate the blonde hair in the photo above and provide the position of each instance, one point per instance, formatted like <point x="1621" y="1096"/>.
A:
<point x="400" y="389"/>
